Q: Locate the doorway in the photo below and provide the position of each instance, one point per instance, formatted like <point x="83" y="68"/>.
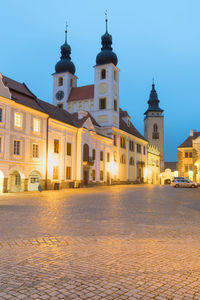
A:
<point x="85" y="177"/>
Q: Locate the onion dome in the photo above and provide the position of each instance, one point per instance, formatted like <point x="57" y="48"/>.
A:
<point x="106" y="55"/>
<point x="65" y="64"/>
<point x="153" y="101"/>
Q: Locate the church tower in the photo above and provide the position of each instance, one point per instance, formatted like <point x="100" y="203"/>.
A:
<point x="106" y="84"/>
<point x="64" y="78"/>
<point x="154" y="124"/>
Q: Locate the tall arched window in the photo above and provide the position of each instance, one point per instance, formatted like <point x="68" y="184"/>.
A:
<point x="155" y="134"/>
<point x="85" y="152"/>
<point x="60" y="81"/>
<point x="103" y="74"/>
<point x="131" y="161"/>
<point x="123" y="159"/>
<point x="115" y="156"/>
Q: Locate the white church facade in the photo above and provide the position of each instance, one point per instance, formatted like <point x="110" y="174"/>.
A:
<point x="83" y="138"/>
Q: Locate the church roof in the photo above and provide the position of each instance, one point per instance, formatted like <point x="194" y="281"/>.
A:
<point x="81" y="93"/>
<point x="188" y="142"/>
<point x="129" y="129"/>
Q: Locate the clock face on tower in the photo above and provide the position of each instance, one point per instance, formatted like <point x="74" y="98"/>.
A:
<point x="60" y="95"/>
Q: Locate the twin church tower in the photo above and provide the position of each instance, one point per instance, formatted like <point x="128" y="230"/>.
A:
<point x="101" y="99"/>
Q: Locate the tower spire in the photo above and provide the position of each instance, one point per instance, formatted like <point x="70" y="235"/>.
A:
<point x="66" y="33"/>
<point x="106" y="20"/>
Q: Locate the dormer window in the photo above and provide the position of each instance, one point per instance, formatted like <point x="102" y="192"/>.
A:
<point x="60" y="81"/>
<point x="103" y="74"/>
<point x="115" y="104"/>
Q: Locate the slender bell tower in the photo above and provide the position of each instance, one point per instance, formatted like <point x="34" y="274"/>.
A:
<point x="154" y="124"/>
<point x="106" y="84"/>
<point x="63" y="78"/>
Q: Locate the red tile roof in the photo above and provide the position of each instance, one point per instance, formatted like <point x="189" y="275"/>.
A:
<point x="188" y="142"/>
<point x="80" y="122"/>
<point x="129" y="129"/>
<point x="81" y="93"/>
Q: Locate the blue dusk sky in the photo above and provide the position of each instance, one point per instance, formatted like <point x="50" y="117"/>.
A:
<point x="159" y="39"/>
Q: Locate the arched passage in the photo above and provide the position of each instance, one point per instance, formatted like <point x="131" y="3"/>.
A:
<point x="16" y="182"/>
<point x="1" y="181"/>
<point x="34" y="181"/>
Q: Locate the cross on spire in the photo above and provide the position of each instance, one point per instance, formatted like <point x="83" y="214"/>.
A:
<point x="66" y="33"/>
<point x="106" y="15"/>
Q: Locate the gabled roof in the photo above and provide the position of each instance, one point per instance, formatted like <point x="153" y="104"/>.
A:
<point x="80" y="122"/>
<point x="21" y="94"/>
<point x="188" y="142"/>
<point x="81" y="93"/>
<point x="57" y="113"/>
<point x="171" y="165"/>
<point x="129" y="129"/>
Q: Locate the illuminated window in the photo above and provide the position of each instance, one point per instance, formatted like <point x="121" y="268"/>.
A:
<point x="101" y="175"/>
<point x="68" y="173"/>
<point x="144" y="150"/>
<point x="18" y="120"/>
<point x="103" y="74"/>
<point x="123" y="142"/>
<point x="93" y="175"/>
<point x="1" y="114"/>
<point x="102" y="103"/>
<point x="55" y="172"/>
<point x="123" y="159"/>
<point x="35" y="150"/>
<point x="131" y="146"/>
<point x="16" y="149"/>
<point x="36" y="125"/>
<point x="108" y="157"/>
<point x="17" y="179"/>
<point x="115" y="156"/>
<point x="60" y="81"/>
<point x="69" y="149"/>
<point x="93" y="154"/>
<point x="131" y="161"/>
<point x="115" y="104"/>
<point x="139" y="148"/>
<point x="101" y="155"/>
<point x="56" y="146"/>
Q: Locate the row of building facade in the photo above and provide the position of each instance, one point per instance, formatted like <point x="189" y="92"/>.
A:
<point x="83" y="138"/>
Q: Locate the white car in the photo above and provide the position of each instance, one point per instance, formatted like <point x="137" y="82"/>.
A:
<point x="183" y="182"/>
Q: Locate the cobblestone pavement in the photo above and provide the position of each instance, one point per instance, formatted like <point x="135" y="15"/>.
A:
<point x="119" y="242"/>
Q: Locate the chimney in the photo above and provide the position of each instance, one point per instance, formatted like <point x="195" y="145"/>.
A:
<point x="192" y="132"/>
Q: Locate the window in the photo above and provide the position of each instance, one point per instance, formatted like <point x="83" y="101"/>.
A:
<point x="18" y="120"/>
<point x="1" y="114"/>
<point x="123" y="159"/>
<point x="17" y="179"/>
<point x="186" y="168"/>
<point x="131" y="146"/>
<point x="55" y="172"/>
<point x="60" y="81"/>
<point x="35" y="150"/>
<point x="60" y="105"/>
<point x="186" y="154"/>
<point x="71" y="82"/>
<point x="114" y="140"/>
<point x="93" y="154"/>
<point x="93" y="175"/>
<point x="138" y="148"/>
<point x="16" y="147"/>
<point x="68" y="172"/>
<point x="102" y="103"/>
<point x="101" y="175"/>
<point x="56" y="146"/>
<point x="36" y="125"/>
<point x="155" y="134"/>
<point x="101" y="155"/>
<point x="131" y="161"/>
<point x="190" y="168"/>
<point x="108" y="157"/>
<point x="115" y="75"/>
<point x="190" y="154"/>
<point x="69" y="149"/>
<point x="103" y="74"/>
<point x="123" y="142"/>
<point x="144" y="150"/>
<point x="115" y="104"/>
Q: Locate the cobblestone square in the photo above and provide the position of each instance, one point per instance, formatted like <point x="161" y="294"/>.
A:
<point x="115" y="242"/>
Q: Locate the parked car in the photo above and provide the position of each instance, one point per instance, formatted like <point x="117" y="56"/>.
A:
<point x="183" y="182"/>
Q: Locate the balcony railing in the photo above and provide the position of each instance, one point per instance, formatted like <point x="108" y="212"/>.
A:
<point x="88" y="161"/>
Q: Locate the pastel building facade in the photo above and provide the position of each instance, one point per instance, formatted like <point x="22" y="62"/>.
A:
<point x="83" y="138"/>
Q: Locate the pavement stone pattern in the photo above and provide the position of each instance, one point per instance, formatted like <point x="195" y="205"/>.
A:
<point x="120" y="242"/>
